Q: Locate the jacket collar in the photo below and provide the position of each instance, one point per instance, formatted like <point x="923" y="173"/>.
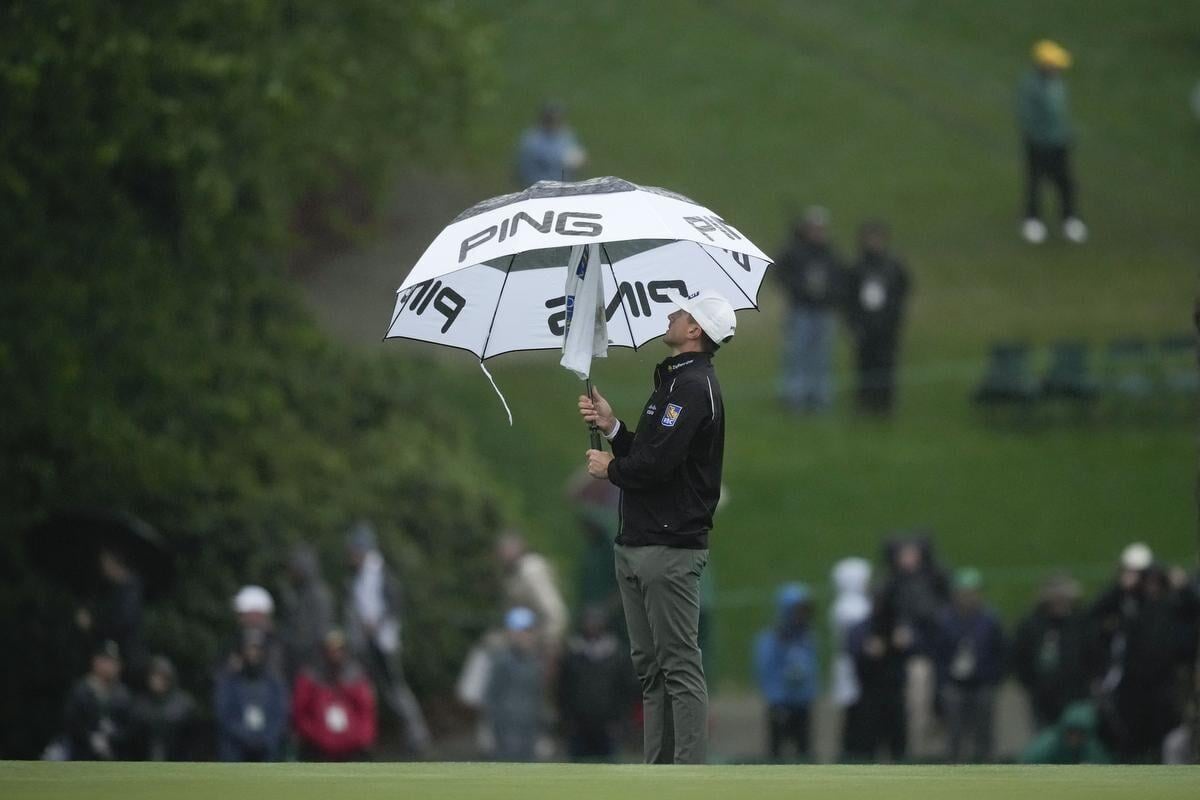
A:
<point x="671" y="367"/>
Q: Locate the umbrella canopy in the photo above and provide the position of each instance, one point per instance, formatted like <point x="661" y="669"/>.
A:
<point x="66" y="547"/>
<point x="492" y="282"/>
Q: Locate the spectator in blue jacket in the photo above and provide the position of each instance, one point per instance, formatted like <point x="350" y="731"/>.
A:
<point x="970" y="660"/>
<point x="250" y="703"/>
<point x="549" y="151"/>
<point x="785" y="664"/>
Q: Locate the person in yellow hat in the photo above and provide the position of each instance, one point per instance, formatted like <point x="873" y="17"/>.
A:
<point x="1045" y="122"/>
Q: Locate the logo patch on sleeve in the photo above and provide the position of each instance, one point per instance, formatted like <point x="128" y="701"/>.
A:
<point x="671" y="415"/>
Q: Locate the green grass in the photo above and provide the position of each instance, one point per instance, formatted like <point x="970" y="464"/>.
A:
<point x="36" y="781"/>
<point x="902" y="110"/>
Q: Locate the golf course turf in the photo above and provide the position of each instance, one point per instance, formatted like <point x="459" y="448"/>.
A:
<point x="47" y="781"/>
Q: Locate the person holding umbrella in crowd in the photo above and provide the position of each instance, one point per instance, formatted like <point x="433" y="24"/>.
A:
<point x="669" y="471"/>
<point x="111" y="562"/>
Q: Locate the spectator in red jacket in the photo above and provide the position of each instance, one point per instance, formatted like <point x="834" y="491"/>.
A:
<point x="333" y="706"/>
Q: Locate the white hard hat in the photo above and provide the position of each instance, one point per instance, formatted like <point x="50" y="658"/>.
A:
<point x="712" y="312"/>
<point x="253" y="599"/>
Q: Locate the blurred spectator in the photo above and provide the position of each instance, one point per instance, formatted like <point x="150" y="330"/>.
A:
<point x="250" y="705"/>
<point x="1120" y="602"/>
<point x="528" y="581"/>
<point x="970" y="652"/>
<point x="1073" y="740"/>
<point x="1054" y="656"/>
<point x="916" y="585"/>
<point x="98" y="710"/>
<point x="851" y="605"/>
<point x="1045" y="122"/>
<point x="788" y="673"/>
<point x="255" y="610"/>
<point x="917" y="590"/>
<point x="597" y="577"/>
<point x="596" y="504"/>
<point x="877" y="295"/>
<point x="549" y="151"/>
<point x="116" y="615"/>
<point x="307" y="611"/>
<point x="1178" y="748"/>
<point x="373" y="609"/>
<point x="880" y="646"/>
<point x="333" y="706"/>
<point x="1151" y="650"/>
<point x="596" y="688"/>
<point x="515" y="689"/>
<point x="164" y="717"/>
<point x="814" y="280"/>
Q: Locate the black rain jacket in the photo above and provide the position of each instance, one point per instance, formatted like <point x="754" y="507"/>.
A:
<point x="669" y="469"/>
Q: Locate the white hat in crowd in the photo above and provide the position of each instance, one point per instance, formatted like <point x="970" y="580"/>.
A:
<point x="1137" y="556"/>
<point x="253" y="599"/>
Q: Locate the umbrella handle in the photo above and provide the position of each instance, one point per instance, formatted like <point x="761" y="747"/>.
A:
<point x="593" y="430"/>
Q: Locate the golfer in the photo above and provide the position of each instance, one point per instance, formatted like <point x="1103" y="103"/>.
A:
<point x="669" y="473"/>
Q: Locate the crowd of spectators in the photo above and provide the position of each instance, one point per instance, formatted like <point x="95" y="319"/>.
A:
<point x="916" y="660"/>
<point x="923" y="656"/>
<point x="305" y="682"/>
<point x="871" y="296"/>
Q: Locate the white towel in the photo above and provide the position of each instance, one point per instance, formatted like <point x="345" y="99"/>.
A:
<point x="586" y="333"/>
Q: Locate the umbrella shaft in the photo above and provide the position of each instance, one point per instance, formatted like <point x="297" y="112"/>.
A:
<point x="593" y="430"/>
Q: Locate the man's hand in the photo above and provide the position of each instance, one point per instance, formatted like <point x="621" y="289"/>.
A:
<point x="597" y="463"/>
<point x="595" y="409"/>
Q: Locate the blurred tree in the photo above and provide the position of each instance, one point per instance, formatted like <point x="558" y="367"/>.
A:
<point x="152" y="355"/>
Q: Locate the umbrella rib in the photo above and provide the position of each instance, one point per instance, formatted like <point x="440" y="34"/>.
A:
<point x="727" y="275"/>
<point x="393" y="322"/>
<point x="496" y="310"/>
<point x="617" y="284"/>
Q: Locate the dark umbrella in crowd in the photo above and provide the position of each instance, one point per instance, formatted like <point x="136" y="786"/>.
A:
<point x="66" y="547"/>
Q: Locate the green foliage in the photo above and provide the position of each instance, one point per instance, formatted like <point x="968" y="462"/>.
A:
<point x="153" y="357"/>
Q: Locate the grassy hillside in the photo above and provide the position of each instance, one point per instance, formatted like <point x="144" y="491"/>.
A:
<point x="34" y="781"/>
<point x="901" y="110"/>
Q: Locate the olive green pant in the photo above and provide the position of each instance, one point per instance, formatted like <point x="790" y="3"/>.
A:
<point x="660" y="590"/>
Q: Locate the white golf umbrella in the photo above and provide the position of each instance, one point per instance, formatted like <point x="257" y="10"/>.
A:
<point x="493" y="280"/>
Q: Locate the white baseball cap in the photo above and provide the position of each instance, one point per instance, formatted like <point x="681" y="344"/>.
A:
<point x="253" y="599"/>
<point x="712" y="312"/>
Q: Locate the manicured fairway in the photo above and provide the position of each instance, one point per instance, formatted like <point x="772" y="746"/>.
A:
<point x="41" y="781"/>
